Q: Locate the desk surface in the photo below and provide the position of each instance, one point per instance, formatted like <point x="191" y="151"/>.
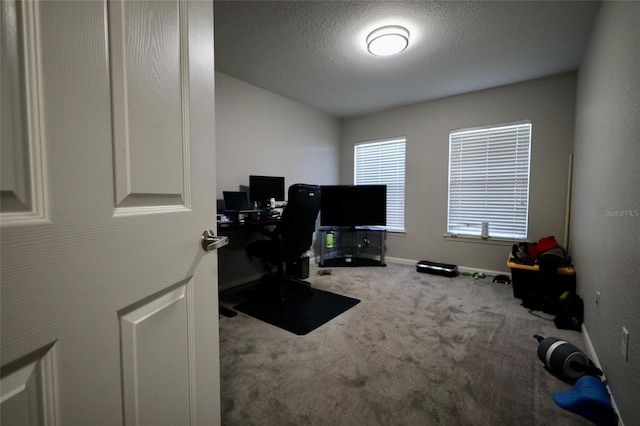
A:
<point x="249" y="223"/>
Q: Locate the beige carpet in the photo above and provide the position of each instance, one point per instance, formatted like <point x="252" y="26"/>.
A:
<point x="418" y="350"/>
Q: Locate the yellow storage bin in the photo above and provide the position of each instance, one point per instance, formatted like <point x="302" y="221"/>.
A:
<point x="526" y="280"/>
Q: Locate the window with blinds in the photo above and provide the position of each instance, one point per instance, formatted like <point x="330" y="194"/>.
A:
<point x="489" y="181"/>
<point x="383" y="163"/>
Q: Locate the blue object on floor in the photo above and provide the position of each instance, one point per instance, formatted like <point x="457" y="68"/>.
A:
<point x="590" y="399"/>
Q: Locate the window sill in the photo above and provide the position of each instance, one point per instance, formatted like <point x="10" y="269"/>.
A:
<point x="479" y="240"/>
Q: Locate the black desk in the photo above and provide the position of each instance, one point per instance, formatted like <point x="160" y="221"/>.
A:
<point x="234" y="267"/>
<point x="258" y="223"/>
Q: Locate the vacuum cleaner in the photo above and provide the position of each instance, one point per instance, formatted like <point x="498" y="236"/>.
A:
<point x="563" y="359"/>
<point x="588" y="397"/>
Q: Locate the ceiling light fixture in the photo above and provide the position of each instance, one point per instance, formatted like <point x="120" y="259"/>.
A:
<point x="387" y="41"/>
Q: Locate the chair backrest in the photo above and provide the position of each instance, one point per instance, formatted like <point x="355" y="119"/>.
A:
<point x="298" y="221"/>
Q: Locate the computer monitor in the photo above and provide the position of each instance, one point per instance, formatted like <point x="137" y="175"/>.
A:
<point x="235" y="200"/>
<point x="262" y="188"/>
<point x="353" y="205"/>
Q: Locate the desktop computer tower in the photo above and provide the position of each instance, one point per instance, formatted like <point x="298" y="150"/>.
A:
<point x="299" y="268"/>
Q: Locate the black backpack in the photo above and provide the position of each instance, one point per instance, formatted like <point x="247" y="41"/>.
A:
<point x="570" y="313"/>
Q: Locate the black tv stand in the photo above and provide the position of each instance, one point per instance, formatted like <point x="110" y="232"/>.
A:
<point x="352" y="246"/>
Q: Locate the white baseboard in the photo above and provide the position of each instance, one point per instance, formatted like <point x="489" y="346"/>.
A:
<point x="594" y="357"/>
<point x="482" y="271"/>
<point x="468" y="269"/>
<point x="400" y="261"/>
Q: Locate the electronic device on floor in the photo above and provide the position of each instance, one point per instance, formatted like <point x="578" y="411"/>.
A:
<point x="437" y="268"/>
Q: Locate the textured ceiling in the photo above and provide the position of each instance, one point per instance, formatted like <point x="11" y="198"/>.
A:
<point x="314" y="52"/>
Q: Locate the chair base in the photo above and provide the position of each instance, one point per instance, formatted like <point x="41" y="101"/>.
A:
<point x="281" y="283"/>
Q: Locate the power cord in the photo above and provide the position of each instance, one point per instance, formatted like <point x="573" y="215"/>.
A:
<point x="475" y="275"/>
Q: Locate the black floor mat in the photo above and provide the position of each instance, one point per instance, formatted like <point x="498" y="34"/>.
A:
<point x="301" y="312"/>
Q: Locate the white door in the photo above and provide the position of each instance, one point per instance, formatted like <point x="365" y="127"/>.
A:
<point x="109" y="302"/>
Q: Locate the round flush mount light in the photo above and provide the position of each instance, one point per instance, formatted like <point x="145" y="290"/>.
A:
<point x="387" y="41"/>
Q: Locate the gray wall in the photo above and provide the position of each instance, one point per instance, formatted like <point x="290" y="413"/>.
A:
<point x="605" y="226"/>
<point x="549" y="103"/>
<point x="261" y="133"/>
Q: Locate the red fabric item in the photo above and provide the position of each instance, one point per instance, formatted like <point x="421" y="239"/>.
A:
<point x="544" y="244"/>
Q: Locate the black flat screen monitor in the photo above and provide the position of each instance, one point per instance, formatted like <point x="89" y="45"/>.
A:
<point x="262" y="188"/>
<point x="235" y="200"/>
<point x="353" y="205"/>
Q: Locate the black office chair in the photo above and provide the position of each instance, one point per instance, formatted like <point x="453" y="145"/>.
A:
<point x="290" y="239"/>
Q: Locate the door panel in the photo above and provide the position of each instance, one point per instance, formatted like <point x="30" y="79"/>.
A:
<point x="145" y="352"/>
<point x="28" y="393"/>
<point x="103" y="275"/>
<point x="148" y="56"/>
<point x="22" y="186"/>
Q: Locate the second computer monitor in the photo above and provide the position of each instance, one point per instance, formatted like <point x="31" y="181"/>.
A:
<point x="263" y="188"/>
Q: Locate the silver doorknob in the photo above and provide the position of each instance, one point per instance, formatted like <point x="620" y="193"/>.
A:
<point x="210" y="242"/>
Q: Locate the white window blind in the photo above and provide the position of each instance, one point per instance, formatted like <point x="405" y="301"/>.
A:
<point x="489" y="181"/>
<point x="383" y="163"/>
